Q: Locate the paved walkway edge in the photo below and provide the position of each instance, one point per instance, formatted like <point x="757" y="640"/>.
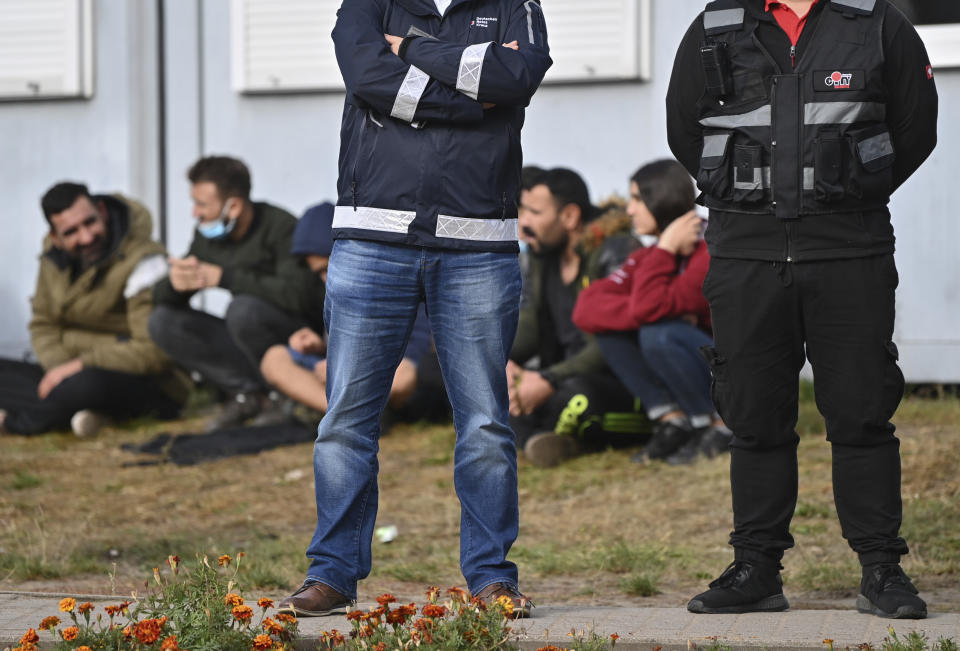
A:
<point x="672" y="629"/>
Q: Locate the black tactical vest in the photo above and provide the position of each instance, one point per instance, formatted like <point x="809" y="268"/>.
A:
<point x="811" y="140"/>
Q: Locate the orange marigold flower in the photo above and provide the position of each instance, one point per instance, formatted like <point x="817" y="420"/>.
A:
<point x="366" y="631"/>
<point x="434" y="610"/>
<point x="224" y="560"/>
<point x="265" y="603"/>
<point x="170" y="644"/>
<point x="272" y="627"/>
<point x="409" y="610"/>
<point x="479" y="604"/>
<point x="378" y="612"/>
<point x="286" y="618"/>
<point x="49" y="623"/>
<point x="550" y="648"/>
<point x="458" y="594"/>
<point x="70" y="633"/>
<point x="30" y="637"/>
<point x="84" y="608"/>
<point x="614" y="637"/>
<point x="84" y="648"/>
<point x="262" y="642"/>
<point x="422" y="624"/>
<point x="395" y="617"/>
<point x="127" y="632"/>
<point x="174" y="563"/>
<point x="355" y="615"/>
<point x="233" y="599"/>
<point x="67" y="605"/>
<point x="433" y="593"/>
<point x="148" y="631"/>
<point x="336" y="637"/>
<point x="380" y="646"/>
<point x="112" y="610"/>
<point x="385" y="599"/>
<point x="242" y="613"/>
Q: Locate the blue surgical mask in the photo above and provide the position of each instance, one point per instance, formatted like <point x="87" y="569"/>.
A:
<point x="219" y="228"/>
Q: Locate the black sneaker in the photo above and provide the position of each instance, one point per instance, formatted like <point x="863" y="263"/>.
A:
<point x="547" y="449"/>
<point x="886" y="591"/>
<point x="235" y="412"/>
<point x="744" y="587"/>
<point x="708" y="442"/>
<point x="668" y="437"/>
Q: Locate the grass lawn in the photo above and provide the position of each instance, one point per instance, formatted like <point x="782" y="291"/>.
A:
<point x="77" y="516"/>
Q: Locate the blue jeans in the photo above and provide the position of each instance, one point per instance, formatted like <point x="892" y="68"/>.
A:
<point x="373" y="292"/>
<point x="661" y="365"/>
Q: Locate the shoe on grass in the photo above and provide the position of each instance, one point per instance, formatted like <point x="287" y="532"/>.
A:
<point x="548" y="449"/>
<point x="707" y="442"/>
<point x="744" y="587"/>
<point x="236" y="411"/>
<point x="493" y="592"/>
<point x="315" y="600"/>
<point x="87" y="422"/>
<point x="886" y="591"/>
<point x="668" y="437"/>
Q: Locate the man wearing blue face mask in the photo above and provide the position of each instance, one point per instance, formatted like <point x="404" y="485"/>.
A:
<point x="242" y="246"/>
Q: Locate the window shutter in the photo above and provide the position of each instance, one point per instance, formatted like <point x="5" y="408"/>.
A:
<point x="284" y="45"/>
<point x="46" y="49"/>
<point x="598" y="40"/>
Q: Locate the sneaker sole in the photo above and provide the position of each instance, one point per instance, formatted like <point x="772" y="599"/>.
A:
<point x="771" y="604"/>
<point x="864" y="605"/>
<point x="550" y="450"/>
<point x="301" y="612"/>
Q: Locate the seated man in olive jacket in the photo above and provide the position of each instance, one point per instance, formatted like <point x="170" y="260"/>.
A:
<point x="242" y="246"/>
<point x="89" y="322"/>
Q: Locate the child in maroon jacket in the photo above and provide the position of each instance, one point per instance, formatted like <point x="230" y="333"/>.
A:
<point x="651" y="318"/>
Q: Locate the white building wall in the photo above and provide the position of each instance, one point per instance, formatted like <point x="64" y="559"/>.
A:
<point x="291" y="143"/>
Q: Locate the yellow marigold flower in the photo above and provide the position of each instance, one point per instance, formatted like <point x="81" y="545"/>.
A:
<point x="49" y="623"/>
<point x="148" y="631"/>
<point x="385" y="599"/>
<point x="272" y="627"/>
<point x="242" y="613"/>
<point x="70" y="633"/>
<point x="67" y="605"/>
<point x="262" y="642"/>
<point x="85" y="608"/>
<point x="506" y="603"/>
<point x="265" y="603"/>
<point x="233" y="599"/>
<point x="30" y="637"/>
<point x="224" y="560"/>
<point x="170" y="644"/>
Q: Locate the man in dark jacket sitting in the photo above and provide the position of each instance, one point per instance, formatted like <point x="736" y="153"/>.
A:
<point x="242" y="246"/>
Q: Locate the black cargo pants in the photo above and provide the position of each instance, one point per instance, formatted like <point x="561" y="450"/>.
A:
<point x="839" y="314"/>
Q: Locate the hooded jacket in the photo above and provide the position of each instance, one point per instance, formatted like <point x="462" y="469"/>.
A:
<point x="430" y="142"/>
<point x="100" y="315"/>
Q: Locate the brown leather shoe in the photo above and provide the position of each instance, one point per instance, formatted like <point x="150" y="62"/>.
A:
<point x="521" y="604"/>
<point x="315" y="600"/>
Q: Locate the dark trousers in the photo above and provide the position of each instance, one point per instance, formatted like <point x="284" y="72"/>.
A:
<point x="226" y="352"/>
<point x="119" y="395"/>
<point x="839" y="314"/>
<point x="588" y="398"/>
<point x="661" y="365"/>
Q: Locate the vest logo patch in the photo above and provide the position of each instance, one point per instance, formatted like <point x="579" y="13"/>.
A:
<point x="929" y="71"/>
<point x="839" y="80"/>
<point x="483" y="21"/>
<point x="834" y="80"/>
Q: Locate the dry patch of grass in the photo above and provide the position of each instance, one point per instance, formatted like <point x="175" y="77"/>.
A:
<point x="600" y="529"/>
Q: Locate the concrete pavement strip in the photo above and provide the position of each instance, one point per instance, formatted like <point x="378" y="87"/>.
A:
<point x="639" y="628"/>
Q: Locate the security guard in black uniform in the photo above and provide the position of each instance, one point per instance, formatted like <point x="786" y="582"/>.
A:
<point x="797" y="147"/>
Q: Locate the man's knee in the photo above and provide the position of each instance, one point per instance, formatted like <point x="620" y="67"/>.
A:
<point x="246" y="317"/>
<point x="163" y="324"/>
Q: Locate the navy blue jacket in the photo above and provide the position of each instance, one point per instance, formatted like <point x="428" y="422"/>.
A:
<point x="424" y="159"/>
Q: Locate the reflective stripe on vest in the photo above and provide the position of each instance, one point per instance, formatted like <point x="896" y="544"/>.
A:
<point x="813" y="113"/>
<point x="722" y="19"/>
<point x="408" y="97"/>
<point x="373" y="219"/>
<point x="843" y="112"/>
<point x="860" y="5"/>
<point x="471" y="65"/>
<point x="485" y="230"/>
<point x="876" y="147"/>
<point x="761" y="179"/>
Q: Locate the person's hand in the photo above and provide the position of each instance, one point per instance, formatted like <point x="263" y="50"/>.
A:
<point x="210" y="274"/>
<point x="682" y="235"/>
<point x="56" y="375"/>
<point x="531" y="390"/>
<point x="305" y="340"/>
<point x="404" y="383"/>
<point x="185" y="274"/>
<point x="513" y="45"/>
<point x="690" y="318"/>
<point x="394" y="42"/>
